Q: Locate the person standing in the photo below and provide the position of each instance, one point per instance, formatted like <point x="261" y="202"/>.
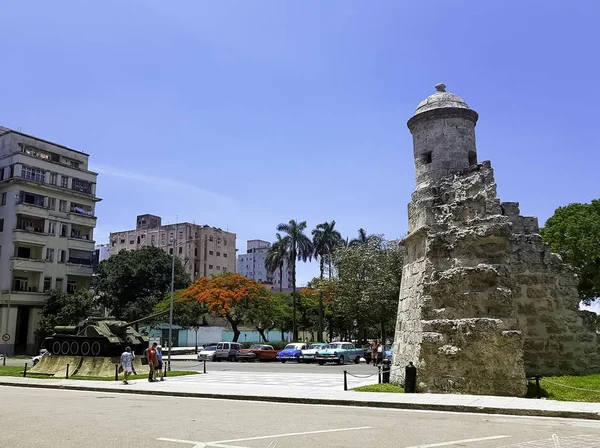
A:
<point x="374" y="352"/>
<point x="127" y="363"/>
<point x="152" y="361"/>
<point x="159" y="363"/>
<point x="379" y="353"/>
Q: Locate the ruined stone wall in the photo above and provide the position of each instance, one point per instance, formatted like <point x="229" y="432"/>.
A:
<point x="559" y="339"/>
<point x="483" y="301"/>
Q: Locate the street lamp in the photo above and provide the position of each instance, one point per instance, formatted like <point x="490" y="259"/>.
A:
<point x="10" y="286"/>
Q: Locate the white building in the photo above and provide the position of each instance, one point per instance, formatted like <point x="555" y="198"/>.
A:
<point x="101" y="253"/>
<point x="252" y="265"/>
<point x="47" y="220"/>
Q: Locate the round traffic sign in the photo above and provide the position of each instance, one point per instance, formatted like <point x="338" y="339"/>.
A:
<point x="6" y="337"/>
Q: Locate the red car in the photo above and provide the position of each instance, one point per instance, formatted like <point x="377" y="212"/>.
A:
<point x="260" y="352"/>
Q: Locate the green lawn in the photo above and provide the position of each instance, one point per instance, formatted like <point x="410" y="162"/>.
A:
<point x="18" y="371"/>
<point x="383" y="387"/>
<point x="557" y="392"/>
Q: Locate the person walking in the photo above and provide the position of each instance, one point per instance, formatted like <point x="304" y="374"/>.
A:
<point x="159" y="363"/>
<point x="379" y="353"/>
<point x="374" y="352"/>
<point x="127" y="363"/>
<point x="152" y="361"/>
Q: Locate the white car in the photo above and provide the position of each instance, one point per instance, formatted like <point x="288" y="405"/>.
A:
<point x="309" y="354"/>
<point x="208" y="353"/>
<point x="38" y="358"/>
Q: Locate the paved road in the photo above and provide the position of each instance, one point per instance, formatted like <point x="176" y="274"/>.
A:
<point x="36" y="418"/>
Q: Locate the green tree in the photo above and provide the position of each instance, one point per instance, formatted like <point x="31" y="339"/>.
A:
<point x="63" y="309"/>
<point x="573" y="232"/>
<point x="363" y="238"/>
<point x="282" y="304"/>
<point x="131" y="283"/>
<point x="276" y="257"/>
<point x="299" y="247"/>
<point x="325" y="240"/>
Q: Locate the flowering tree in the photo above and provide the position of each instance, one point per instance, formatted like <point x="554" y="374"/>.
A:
<point x="232" y="296"/>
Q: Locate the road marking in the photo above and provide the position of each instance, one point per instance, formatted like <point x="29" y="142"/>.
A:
<point x="290" y="434"/>
<point x="455" y="442"/>
<point x="198" y="444"/>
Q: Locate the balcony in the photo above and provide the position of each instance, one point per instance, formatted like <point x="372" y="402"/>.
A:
<point x="85" y="270"/>
<point x="30" y="237"/>
<point x="29" y="264"/>
<point x="82" y="186"/>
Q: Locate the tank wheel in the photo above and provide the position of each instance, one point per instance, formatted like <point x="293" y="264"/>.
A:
<point x="96" y="348"/>
<point x="74" y="348"/>
<point x="64" y="348"/>
<point x="56" y="348"/>
<point x="85" y="348"/>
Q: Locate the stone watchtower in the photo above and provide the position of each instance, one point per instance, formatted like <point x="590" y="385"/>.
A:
<point x="443" y="130"/>
<point x="483" y="302"/>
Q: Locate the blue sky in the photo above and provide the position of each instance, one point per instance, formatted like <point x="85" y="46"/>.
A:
<point x="250" y="113"/>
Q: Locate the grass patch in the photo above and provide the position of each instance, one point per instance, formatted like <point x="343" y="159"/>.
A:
<point x="556" y="391"/>
<point x="383" y="387"/>
<point x="18" y="371"/>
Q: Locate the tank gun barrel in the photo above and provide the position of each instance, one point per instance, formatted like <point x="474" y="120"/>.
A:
<point x="66" y="329"/>
<point x="144" y="319"/>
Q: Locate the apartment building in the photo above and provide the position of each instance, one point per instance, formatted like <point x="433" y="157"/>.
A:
<point x="47" y="221"/>
<point x="252" y="264"/>
<point x="203" y="250"/>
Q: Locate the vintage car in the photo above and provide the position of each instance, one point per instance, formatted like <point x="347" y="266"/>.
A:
<point x="339" y="352"/>
<point x="308" y="355"/>
<point x="258" y="352"/>
<point x="292" y="352"/>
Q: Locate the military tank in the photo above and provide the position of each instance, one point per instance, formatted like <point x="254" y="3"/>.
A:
<point x="98" y="337"/>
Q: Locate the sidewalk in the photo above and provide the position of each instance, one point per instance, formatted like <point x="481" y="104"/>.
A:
<point x="196" y="386"/>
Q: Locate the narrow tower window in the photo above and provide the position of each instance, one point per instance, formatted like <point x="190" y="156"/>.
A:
<point x="426" y="158"/>
<point x="472" y="158"/>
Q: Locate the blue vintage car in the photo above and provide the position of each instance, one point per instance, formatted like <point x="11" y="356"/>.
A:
<point x="291" y="352"/>
<point x="339" y="352"/>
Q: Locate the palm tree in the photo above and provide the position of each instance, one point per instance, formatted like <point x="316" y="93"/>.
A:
<point x="276" y="256"/>
<point x="325" y="240"/>
<point x="363" y="238"/>
<point x="299" y="247"/>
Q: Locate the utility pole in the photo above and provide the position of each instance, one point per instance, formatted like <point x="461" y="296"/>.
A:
<point x="172" y="295"/>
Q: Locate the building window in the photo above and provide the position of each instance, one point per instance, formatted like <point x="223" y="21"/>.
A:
<point x="34" y="174"/>
<point x="47" y="283"/>
<point x="62" y="255"/>
<point x="210" y="266"/>
<point x="52" y="203"/>
<point x="50" y="255"/>
<point x="131" y="241"/>
<point x="218" y="254"/>
<point x="3" y="199"/>
<point x="195" y="252"/>
<point x="122" y="241"/>
<point x="52" y="228"/>
<point x="20" y="284"/>
<point x="210" y="238"/>
<point x="53" y="179"/>
<point x="143" y="235"/>
<point x="62" y="206"/>
<point x="153" y="239"/>
<point x="170" y="251"/>
<point x="64" y="181"/>
<point x="218" y="268"/>
<point x="426" y="158"/>
<point x="224" y="269"/>
<point x="224" y="241"/>
<point x="224" y="255"/>
<point x="210" y="252"/>
<point x="82" y="186"/>
<point x="2" y="225"/>
<point x="180" y="250"/>
<point x="71" y="287"/>
<point x="59" y="284"/>
<point x="64" y="230"/>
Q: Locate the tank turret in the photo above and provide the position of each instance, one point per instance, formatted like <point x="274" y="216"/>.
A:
<point x="98" y="337"/>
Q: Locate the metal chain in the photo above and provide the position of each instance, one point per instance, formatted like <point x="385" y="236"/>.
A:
<point x="569" y="387"/>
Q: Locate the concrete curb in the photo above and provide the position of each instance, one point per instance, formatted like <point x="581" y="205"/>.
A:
<point x="332" y="402"/>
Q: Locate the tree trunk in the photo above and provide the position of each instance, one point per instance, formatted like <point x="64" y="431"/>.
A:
<point x="281" y="277"/>
<point x="261" y="332"/>
<point x="330" y="330"/>
<point x="294" y="328"/>
<point x="322" y="266"/>
<point x="282" y="335"/>
<point x="234" y="326"/>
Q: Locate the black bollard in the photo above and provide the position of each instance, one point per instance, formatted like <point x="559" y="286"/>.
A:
<point x="204" y="366"/>
<point x="25" y="371"/>
<point x="165" y="369"/>
<point x="4" y="361"/>
<point x="67" y="373"/>
<point x="537" y="387"/>
<point x="379" y="374"/>
<point x="387" y="366"/>
<point x="345" y="380"/>
<point x="410" y="379"/>
<point x="116" y="372"/>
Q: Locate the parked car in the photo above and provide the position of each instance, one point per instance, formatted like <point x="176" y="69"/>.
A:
<point x="38" y="358"/>
<point x="208" y="353"/>
<point x="308" y="354"/>
<point x="260" y="352"/>
<point x="339" y="352"/>
<point x="228" y="351"/>
<point x="292" y="352"/>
